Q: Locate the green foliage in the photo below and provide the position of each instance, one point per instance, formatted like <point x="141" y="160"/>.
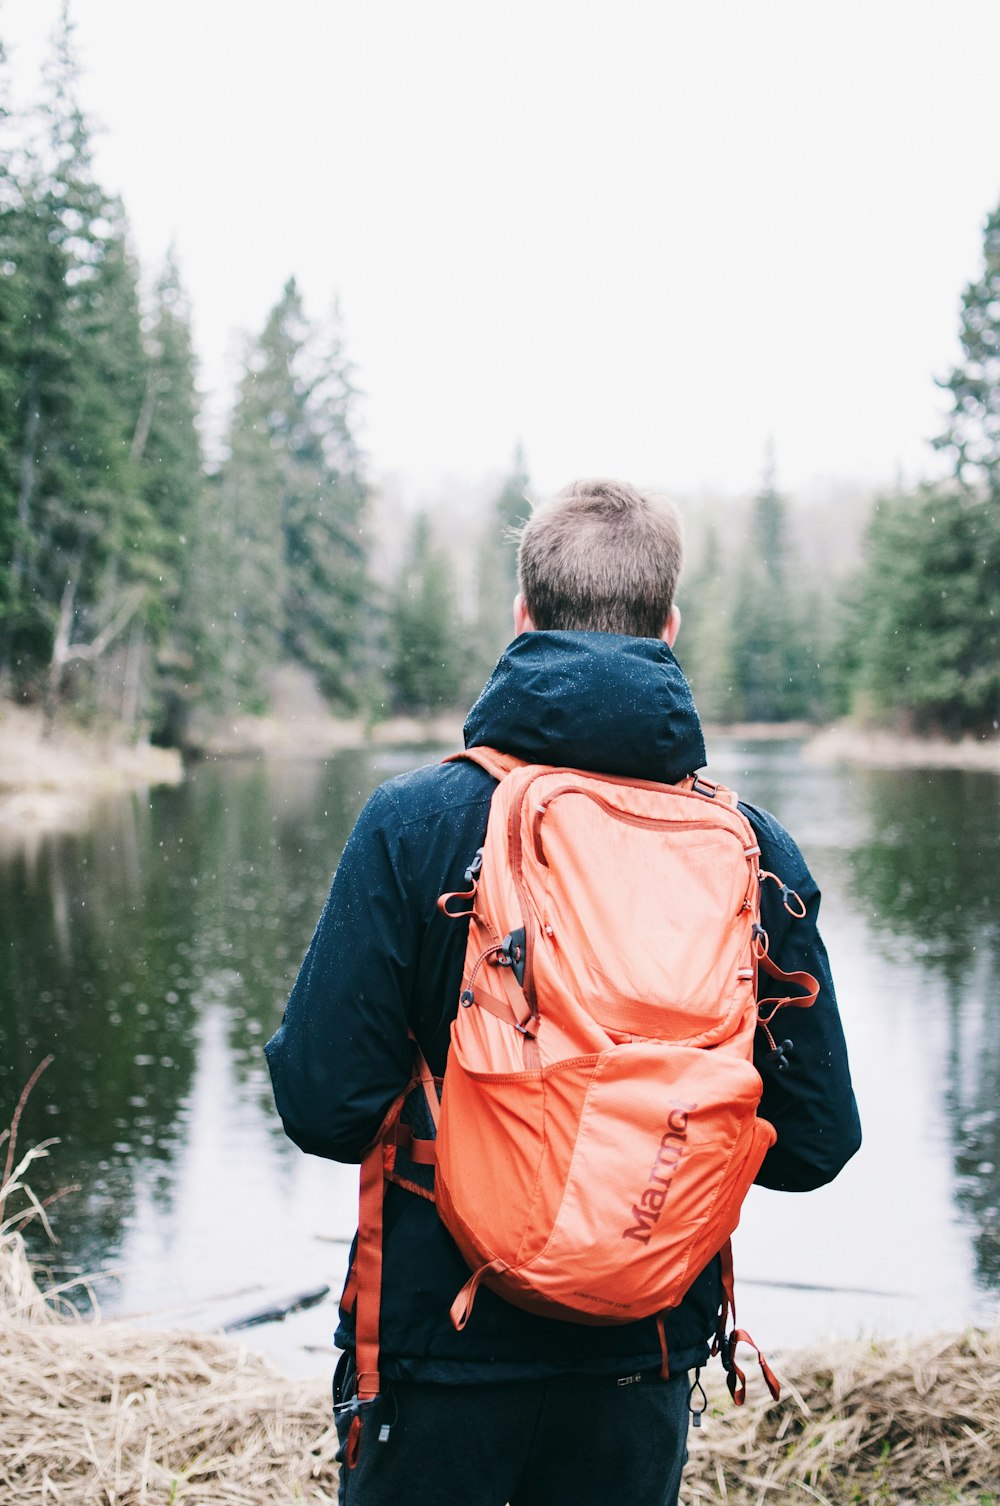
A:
<point x="926" y="616"/>
<point x="325" y="503"/>
<point x="496" y="576"/>
<point x="705" y="641"/>
<point x="76" y="368"/>
<point x="128" y="583"/>
<point x="927" y="613"/>
<point x="425" y="647"/>
<point x="927" y="610"/>
<point x="280" y="561"/>
<point x="167" y="448"/>
<point x="771" y="648"/>
<point x="972" y="435"/>
<point x="755" y="640"/>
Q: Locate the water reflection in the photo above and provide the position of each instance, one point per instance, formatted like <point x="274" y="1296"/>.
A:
<point x="153" y="953"/>
<point x="928" y="873"/>
<point x="929" y="864"/>
<point x="119" y="941"/>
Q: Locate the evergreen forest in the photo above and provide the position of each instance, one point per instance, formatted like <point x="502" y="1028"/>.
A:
<point x="144" y="583"/>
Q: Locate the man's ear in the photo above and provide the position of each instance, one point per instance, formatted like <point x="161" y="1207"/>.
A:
<point x="522" y="617"/>
<point x="673" y="627"/>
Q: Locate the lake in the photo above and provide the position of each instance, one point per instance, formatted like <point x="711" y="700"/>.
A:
<point x="152" y="954"/>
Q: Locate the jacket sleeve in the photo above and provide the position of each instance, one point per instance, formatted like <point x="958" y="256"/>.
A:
<point x="342" y="1052"/>
<point x="811" y="1102"/>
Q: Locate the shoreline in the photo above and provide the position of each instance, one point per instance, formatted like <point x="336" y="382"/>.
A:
<point x="51" y="779"/>
<point x="173" y="1414"/>
<point x="846" y="744"/>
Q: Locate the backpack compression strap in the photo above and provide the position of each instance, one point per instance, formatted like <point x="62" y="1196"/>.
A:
<point x="364" y="1285"/>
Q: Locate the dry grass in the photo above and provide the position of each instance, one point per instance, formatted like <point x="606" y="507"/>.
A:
<point x="50" y="779"/>
<point x="100" y="1414"/>
<point x="911" y="1422"/>
<point x="849" y="744"/>
<point x="95" y="1413"/>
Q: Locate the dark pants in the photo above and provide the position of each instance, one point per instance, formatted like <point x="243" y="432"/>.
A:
<point x="574" y="1441"/>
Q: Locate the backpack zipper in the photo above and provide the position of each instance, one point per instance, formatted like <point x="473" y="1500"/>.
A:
<point x="516" y="854"/>
<point x="651" y="822"/>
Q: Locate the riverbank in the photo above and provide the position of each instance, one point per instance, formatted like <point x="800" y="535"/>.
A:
<point x="50" y="777"/>
<point x="845" y="744"/>
<point x="98" y="1412"/>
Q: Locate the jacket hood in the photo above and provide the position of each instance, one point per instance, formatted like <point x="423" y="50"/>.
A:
<point x="596" y="701"/>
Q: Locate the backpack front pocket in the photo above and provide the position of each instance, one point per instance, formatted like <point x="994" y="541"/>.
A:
<point x="666" y="1146"/>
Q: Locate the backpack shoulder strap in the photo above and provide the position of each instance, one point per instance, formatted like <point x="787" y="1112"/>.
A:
<point x="491" y="759"/>
<point x="699" y="785"/>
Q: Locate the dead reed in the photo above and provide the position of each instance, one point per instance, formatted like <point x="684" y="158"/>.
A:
<point x="96" y="1413"/>
<point x="906" y="1422"/>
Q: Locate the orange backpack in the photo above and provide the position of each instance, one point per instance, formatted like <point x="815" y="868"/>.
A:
<point x="597" y="1130"/>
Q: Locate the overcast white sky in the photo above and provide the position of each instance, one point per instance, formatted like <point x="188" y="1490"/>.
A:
<point x="639" y="237"/>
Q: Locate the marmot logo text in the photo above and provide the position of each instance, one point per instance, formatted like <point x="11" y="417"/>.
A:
<point x="668" y="1157"/>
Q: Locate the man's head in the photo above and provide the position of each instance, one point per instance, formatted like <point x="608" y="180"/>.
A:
<point x="600" y="557"/>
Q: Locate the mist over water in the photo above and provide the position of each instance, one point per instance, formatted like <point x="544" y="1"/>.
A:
<point x="152" y="955"/>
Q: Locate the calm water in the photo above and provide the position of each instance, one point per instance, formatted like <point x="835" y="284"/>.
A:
<point x="152" y="956"/>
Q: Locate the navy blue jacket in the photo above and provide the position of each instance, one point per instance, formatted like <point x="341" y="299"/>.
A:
<point x="383" y="961"/>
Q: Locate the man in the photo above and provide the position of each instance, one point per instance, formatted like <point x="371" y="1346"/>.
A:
<point x="519" y="1407"/>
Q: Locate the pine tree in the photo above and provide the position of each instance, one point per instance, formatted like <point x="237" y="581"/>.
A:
<point x="704" y="645"/>
<point x="81" y="526"/>
<point x="496" y="575"/>
<point x="281" y="557"/>
<point x="773" y="663"/>
<point x="425" y="665"/>
<point x="14" y="315"/>
<point x="324" y="509"/>
<point x="166" y="444"/>
<point x="167" y="448"/>
<point x="926" y="620"/>
<point x="239" y="572"/>
<point x="926" y="616"/>
<point x="972" y="434"/>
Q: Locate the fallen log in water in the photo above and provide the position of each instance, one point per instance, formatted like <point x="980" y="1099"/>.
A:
<point x="277" y="1312"/>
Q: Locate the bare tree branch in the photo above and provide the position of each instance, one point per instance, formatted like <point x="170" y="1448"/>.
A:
<point x="63" y="651"/>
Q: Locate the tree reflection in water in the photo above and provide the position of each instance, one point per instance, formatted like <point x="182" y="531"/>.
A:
<point x="117" y="941"/>
<point x="152" y="956"/>
<point x="928" y="873"/>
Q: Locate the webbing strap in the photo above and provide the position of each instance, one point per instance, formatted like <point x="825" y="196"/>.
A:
<point x="369" y="1265"/>
<point x="661" y="1333"/>
<point x="728" y="1307"/>
<point x="428" y="1084"/>
<point x="503" y="1010"/>
<point x="366" y="1274"/>
<point x="461" y="1308"/>
<point x="801" y="980"/>
<point x="364" y="1284"/>
<point x="736" y="1379"/>
<point x="491" y="759"/>
<point x="726" y="1345"/>
<point x="420" y="1152"/>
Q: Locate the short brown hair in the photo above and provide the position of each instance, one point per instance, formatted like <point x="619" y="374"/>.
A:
<point x="601" y="557"/>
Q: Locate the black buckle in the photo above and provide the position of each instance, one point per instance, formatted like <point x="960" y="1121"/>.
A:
<point x="513" y="953"/>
